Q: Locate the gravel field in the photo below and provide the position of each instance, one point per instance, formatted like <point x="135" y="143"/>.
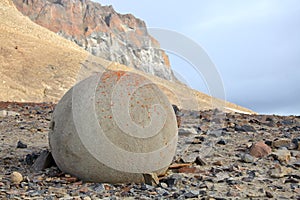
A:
<point x="219" y="156"/>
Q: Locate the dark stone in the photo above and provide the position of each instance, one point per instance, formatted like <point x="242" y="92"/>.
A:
<point x="268" y="142"/>
<point x="232" y="182"/>
<point x="251" y="176"/>
<point x="287" y="122"/>
<point x="269" y="194"/>
<point x="21" y="145"/>
<point x="169" y="181"/>
<point x="191" y="194"/>
<point x="201" y="138"/>
<point x="175" y="195"/>
<point x="291" y="180"/>
<point x="30" y="158"/>
<point x="222" y="142"/>
<point x="295" y="141"/>
<point x="200" y="161"/>
<point x="245" y="128"/>
<point x="45" y="160"/>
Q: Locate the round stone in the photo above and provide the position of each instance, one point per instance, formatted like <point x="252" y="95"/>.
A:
<point x="113" y="127"/>
<point x="16" y="178"/>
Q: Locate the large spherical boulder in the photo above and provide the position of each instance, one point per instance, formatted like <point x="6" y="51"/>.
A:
<point x="113" y="127"/>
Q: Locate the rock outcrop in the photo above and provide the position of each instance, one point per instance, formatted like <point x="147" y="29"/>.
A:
<point x="101" y="31"/>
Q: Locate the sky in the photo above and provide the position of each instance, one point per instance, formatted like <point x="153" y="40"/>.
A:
<point x="254" y="45"/>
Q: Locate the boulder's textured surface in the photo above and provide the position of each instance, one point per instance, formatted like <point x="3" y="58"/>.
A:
<point x="101" y="31"/>
<point x="114" y="128"/>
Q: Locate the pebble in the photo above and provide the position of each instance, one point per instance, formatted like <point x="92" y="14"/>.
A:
<point x="164" y="185"/>
<point x="269" y="194"/>
<point x="21" y="145"/>
<point x="192" y="194"/>
<point x="247" y="158"/>
<point x="16" y="178"/>
<point x="222" y="142"/>
<point x="187" y="131"/>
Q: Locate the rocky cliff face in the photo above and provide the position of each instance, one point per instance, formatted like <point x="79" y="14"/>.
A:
<point x="101" y="31"/>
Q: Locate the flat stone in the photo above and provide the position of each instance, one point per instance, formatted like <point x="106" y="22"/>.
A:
<point x="45" y="160"/>
<point x="5" y="113"/>
<point x="187" y="131"/>
<point x="247" y="158"/>
<point x="284" y="156"/>
<point x="282" y="142"/>
<point x="280" y="172"/>
<point x="245" y="128"/>
<point x="192" y="194"/>
<point x="21" y="145"/>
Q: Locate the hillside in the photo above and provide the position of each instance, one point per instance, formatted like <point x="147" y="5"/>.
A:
<point x="39" y="66"/>
<point x="102" y="31"/>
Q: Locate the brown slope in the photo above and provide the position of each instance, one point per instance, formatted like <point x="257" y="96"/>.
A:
<point x="37" y="65"/>
<point x="101" y="31"/>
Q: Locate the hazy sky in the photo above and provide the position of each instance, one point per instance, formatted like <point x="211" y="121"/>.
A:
<point x="255" y="45"/>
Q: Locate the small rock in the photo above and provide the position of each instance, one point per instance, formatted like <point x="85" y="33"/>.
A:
<point x="187" y="131"/>
<point x="189" y="170"/>
<point x="251" y="176"/>
<point x="163" y="185"/>
<point x="282" y="142"/>
<point x="295" y="141"/>
<point x="283" y="156"/>
<point x="191" y="194"/>
<point x="215" y="133"/>
<point x="269" y="194"/>
<point x="218" y="163"/>
<point x="99" y="188"/>
<point x="16" y="178"/>
<point x="30" y="158"/>
<point x="268" y="142"/>
<point x="170" y="181"/>
<point x="222" y="142"/>
<point x="245" y="128"/>
<point x="44" y="161"/>
<point x="260" y="149"/>
<point x="5" y="113"/>
<point x="21" y="145"/>
<point x="200" y="161"/>
<point x="280" y="172"/>
<point x="247" y="158"/>
<point x="231" y="181"/>
<point x="151" y="179"/>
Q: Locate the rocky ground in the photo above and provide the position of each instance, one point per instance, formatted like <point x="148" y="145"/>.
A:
<point x="232" y="156"/>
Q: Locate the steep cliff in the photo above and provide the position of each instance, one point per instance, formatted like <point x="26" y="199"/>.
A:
<point x="101" y="31"/>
